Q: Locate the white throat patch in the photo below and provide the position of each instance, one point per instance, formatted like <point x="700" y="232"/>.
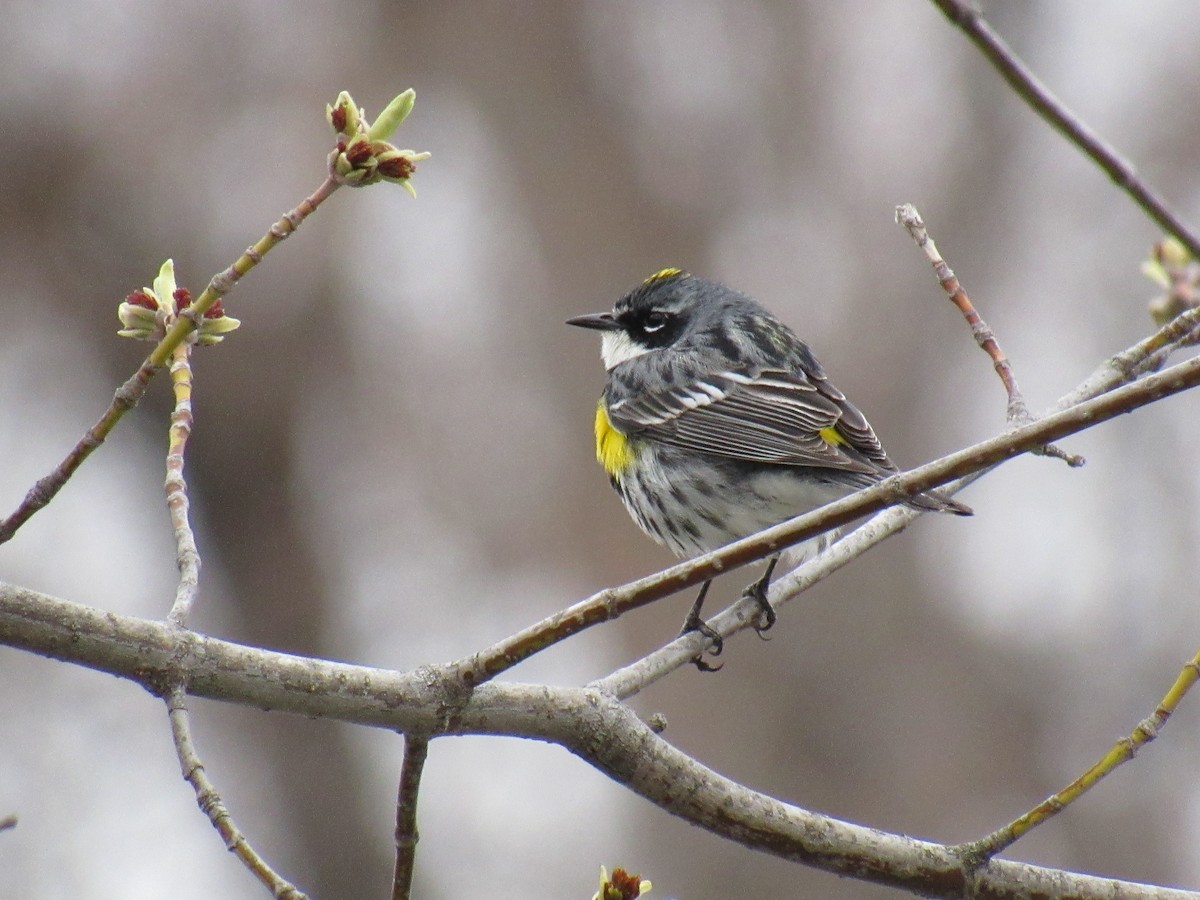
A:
<point x="616" y="347"/>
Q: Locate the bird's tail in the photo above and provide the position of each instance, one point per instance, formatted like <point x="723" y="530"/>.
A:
<point x="936" y="501"/>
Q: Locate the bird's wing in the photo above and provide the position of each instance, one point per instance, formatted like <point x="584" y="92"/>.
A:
<point x="771" y="416"/>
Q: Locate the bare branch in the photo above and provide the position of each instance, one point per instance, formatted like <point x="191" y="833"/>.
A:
<point x="1120" y="752"/>
<point x="211" y="804"/>
<point x="1018" y="412"/>
<point x="416" y="748"/>
<point x="187" y="556"/>
<point x="633" y="678"/>
<point x="597" y="728"/>
<point x="1027" y="86"/>
<point x="907" y="215"/>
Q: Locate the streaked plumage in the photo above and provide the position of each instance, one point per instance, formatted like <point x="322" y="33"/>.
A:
<point x="717" y="420"/>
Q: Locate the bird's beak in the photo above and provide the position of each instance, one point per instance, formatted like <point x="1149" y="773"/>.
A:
<point x="598" y="321"/>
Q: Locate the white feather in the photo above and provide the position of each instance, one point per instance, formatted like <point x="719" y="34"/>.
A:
<point x="616" y="347"/>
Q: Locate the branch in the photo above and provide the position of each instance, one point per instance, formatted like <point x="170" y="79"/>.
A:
<point x="614" y="602"/>
<point x="187" y="555"/>
<point x="211" y="804"/>
<point x="1045" y="104"/>
<point x="132" y="391"/>
<point x="597" y="728"/>
<point x="188" y="560"/>
<point x="1018" y="412"/>
<point x="907" y="215"/>
<point x="635" y="677"/>
<point x="1120" y="752"/>
<point x="416" y="748"/>
<point x="1146" y="355"/>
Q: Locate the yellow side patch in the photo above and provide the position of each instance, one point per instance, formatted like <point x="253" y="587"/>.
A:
<point x="662" y="274"/>
<point x="832" y="435"/>
<point x="613" y="449"/>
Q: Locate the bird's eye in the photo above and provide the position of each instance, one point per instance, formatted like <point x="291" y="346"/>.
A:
<point x="654" y="321"/>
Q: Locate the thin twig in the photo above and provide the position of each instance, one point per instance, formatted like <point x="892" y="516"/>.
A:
<point x="188" y="560"/>
<point x="213" y="806"/>
<point x="907" y="215"/>
<point x="1022" y="80"/>
<point x="978" y="852"/>
<point x="1146" y="355"/>
<point x="130" y="393"/>
<point x="1018" y="412"/>
<point x="187" y="556"/>
<point x="416" y="748"/>
<point x="631" y="679"/>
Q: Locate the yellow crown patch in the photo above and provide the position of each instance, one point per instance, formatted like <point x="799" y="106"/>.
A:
<point x="663" y="274"/>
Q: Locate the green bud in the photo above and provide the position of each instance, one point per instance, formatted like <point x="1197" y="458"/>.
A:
<point x="213" y="331"/>
<point x="164" y="286"/>
<point x="391" y="117"/>
<point x="1172" y="253"/>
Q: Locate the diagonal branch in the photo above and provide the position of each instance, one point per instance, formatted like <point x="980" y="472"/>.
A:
<point x="1018" y="412"/>
<point x="907" y="215"/>
<point x="1027" y="86"/>
<point x="614" y="602"/>
<point x="1120" y="752"/>
<point x="211" y="804"/>
<point x="131" y="392"/>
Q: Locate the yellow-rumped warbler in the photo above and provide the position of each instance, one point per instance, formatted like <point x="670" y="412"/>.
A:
<point x="717" y="422"/>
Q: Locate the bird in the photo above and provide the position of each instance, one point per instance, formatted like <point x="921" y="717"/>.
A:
<point x="717" y="421"/>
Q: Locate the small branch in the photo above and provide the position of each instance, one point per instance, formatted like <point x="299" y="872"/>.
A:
<point x="907" y="215"/>
<point x="9" y="821"/>
<point x="1018" y="412"/>
<point x="130" y="393"/>
<point x="635" y="677"/>
<point x="416" y="748"/>
<point x="187" y="555"/>
<point x="211" y="805"/>
<point x="1027" y="86"/>
<point x="1122" y="751"/>
<point x="43" y="491"/>
<point x="188" y="561"/>
<point x="1146" y="355"/>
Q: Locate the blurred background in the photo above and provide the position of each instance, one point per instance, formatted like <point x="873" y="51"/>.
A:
<point x="392" y="462"/>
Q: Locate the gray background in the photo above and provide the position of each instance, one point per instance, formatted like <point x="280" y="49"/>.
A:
<point x="392" y="459"/>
